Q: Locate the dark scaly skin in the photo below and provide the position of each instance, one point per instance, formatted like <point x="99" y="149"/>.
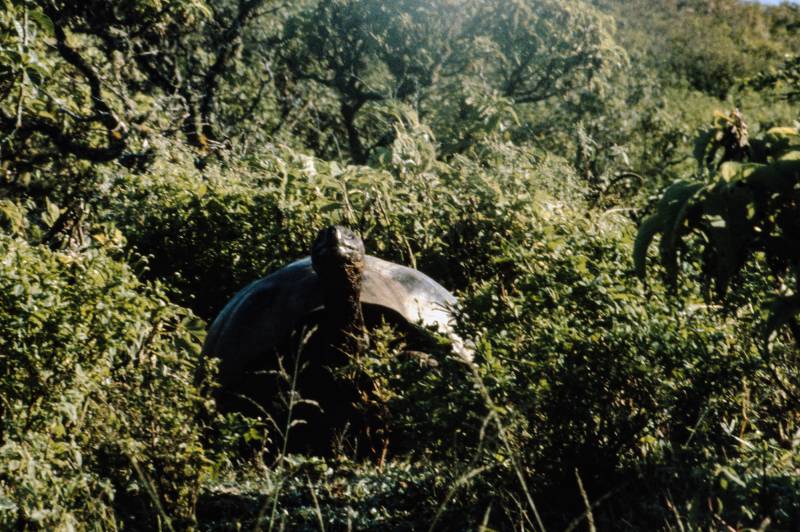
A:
<point x="343" y="328"/>
<point x="338" y="259"/>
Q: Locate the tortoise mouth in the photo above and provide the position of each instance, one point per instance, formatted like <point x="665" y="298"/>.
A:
<point x="335" y="248"/>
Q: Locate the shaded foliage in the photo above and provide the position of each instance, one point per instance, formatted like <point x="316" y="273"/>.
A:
<point x="88" y="356"/>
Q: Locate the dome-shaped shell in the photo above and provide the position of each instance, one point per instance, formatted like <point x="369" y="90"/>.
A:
<point x="264" y="313"/>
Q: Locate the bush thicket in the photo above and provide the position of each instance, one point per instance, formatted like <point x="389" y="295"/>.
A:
<point x="155" y="157"/>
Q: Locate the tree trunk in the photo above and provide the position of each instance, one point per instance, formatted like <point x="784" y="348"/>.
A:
<point x="354" y="141"/>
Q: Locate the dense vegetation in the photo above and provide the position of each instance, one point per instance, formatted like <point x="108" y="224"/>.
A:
<point x="531" y="155"/>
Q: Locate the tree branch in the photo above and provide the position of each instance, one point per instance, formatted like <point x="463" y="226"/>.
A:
<point x="227" y="46"/>
<point x="103" y="112"/>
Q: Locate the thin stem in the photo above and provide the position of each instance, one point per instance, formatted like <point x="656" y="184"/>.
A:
<point x="501" y="431"/>
<point x="21" y="97"/>
<point x="317" y="508"/>
<point x="284" y="446"/>
<point x="589" y="515"/>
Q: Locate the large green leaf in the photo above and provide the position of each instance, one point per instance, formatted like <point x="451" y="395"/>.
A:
<point x="782" y="312"/>
<point x="650" y="227"/>
<point x="779" y="176"/>
<point x="670" y="213"/>
<point x="729" y="229"/>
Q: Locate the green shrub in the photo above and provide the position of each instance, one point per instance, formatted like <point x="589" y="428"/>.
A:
<point x="208" y="235"/>
<point x="98" y="396"/>
<point x="579" y="366"/>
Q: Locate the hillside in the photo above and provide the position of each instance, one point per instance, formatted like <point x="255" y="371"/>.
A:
<point x="611" y="189"/>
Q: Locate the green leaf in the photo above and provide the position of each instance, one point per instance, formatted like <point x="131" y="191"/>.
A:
<point x="20" y="31"/>
<point x="330" y="207"/>
<point x="647" y="231"/>
<point x="51" y="214"/>
<point x="701" y="148"/>
<point x="203" y="8"/>
<point x="731" y="475"/>
<point x="671" y="212"/>
<point x="730" y="170"/>
<point x="42" y="20"/>
<point x="14" y="214"/>
<point x="782" y="312"/>
<point x="779" y="176"/>
<point x="673" y="208"/>
<point x="6" y="504"/>
<point x="783" y="132"/>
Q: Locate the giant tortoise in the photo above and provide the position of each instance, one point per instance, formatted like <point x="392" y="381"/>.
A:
<point x="340" y="291"/>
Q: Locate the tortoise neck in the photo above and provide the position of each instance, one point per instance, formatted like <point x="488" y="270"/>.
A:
<point x="344" y="323"/>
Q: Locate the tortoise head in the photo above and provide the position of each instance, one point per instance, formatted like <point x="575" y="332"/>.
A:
<point x="338" y="251"/>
